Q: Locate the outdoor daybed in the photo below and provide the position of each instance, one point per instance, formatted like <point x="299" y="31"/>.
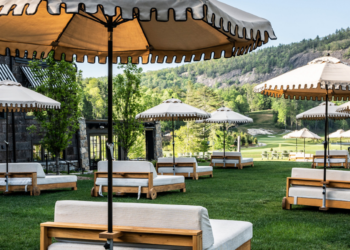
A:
<point x="305" y="188"/>
<point x="77" y="225"/>
<point x="138" y="177"/>
<point x="31" y="177"/>
<point x="186" y="167"/>
<point x="233" y="159"/>
<point x="336" y="158"/>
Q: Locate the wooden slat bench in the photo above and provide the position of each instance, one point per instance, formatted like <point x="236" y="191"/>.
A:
<point x="336" y="158"/>
<point x="232" y="159"/>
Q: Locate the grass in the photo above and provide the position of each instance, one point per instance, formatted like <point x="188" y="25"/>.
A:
<point x="251" y="194"/>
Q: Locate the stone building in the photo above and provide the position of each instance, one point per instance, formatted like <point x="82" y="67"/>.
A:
<point x="25" y="145"/>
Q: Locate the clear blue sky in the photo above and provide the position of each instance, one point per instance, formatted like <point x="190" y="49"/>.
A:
<point x="292" y="22"/>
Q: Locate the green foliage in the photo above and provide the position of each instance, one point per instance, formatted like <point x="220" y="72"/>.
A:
<point x="126" y="105"/>
<point x="59" y="82"/>
<point x="138" y="149"/>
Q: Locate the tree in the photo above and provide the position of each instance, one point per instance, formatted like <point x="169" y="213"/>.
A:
<point x="126" y="96"/>
<point x="59" y="82"/>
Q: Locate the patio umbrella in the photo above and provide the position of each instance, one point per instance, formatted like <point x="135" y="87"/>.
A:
<point x="170" y="110"/>
<point x="304" y="134"/>
<point x="337" y="134"/>
<point x="154" y="30"/>
<point x="323" y="78"/>
<point x="15" y="98"/>
<point x="225" y="115"/>
<point x="287" y="136"/>
<point x="318" y="113"/>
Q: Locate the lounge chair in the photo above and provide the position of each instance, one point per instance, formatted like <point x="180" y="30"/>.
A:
<point x="232" y="159"/>
<point x="31" y="177"/>
<point x="292" y="156"/>
<point x="138" y="177"/>
<point x="186" y="167"/>
<point x="303" y="157"/>
<point x="336" y="158"/>
<point x="264" y="154"/>
<point x="305" y="188"/>
<point x="78" y="225"/>
<point x="285" y="154"/>
<point x="275" y="154"/>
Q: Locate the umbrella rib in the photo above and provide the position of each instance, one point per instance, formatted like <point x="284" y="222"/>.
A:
<point x="93" y="18"/>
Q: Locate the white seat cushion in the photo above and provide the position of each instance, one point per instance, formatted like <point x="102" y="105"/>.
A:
<point x="131" y="182"/>
<point x="227" y="154"/>
<point x="333" y="152"/>
<point x="16" y="181"/>
<point x="55" y="179"/>
<point x="318" y="174"/>
<point x="116" y="246"/>
<point x="331" y="160"/>
<point x="229" y="234"/>
<point x="246" y="160"/>
<point x="199" y="169"/>
<point x="316" y="193"/>
<point x="128" y="166"/>
<point x="29" y="167"/>
<point x="138" y="215"/>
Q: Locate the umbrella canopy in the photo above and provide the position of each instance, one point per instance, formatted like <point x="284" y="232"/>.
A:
<point x="319" y="113"/>
<point x="324" y="78"/>
<point x="172" y="109"/>
<point x="154" y="30"/>
<point x="344" y="107"/>
<point x="337" y="134"/>
<point x="15" y="98"/>
<point x="305" y="134"/>
<point x="149" y="29"/>
<point x="226" y="115"/>
<point x="287" y="136"/>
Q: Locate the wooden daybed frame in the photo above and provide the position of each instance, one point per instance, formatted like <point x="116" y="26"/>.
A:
<point x="33" y="189"/>
<point x="194" y="175"/>
<point x="144" y="235"/>
<point x="334" y="164"/>
<point x="287" y="201"/>
<point x="239" y="165"/>
<point x="150" y="191"/>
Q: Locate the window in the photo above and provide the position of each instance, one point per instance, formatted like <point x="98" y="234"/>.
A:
<point x="2" y="115"/>
<point x="37" y="153"/>
<point x="98" y="147"/>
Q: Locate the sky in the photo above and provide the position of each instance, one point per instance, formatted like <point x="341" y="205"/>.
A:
<point x="292" y="21"/>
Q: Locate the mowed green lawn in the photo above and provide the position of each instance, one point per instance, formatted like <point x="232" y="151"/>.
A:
<point x="252" y="194"/>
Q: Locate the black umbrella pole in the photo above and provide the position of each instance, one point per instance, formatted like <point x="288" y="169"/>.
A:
<point x="7" y="148"/>
<point x="173" y="147"/>
<point x="325" y="155"/>
<point x="110" y="130"/>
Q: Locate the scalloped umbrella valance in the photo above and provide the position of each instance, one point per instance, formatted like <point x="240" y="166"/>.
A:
<point x="150" y="30"/>
<point x="319" y="113"/>
<point x="324" y="78"/>
<point x="170" y="110"/>
<point x="304" y="134"/>
<point x="226" y="115"/>
<point x="15" y="98"/>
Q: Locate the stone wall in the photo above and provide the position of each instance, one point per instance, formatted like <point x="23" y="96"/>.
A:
<point x="158" y="141"/>
<point x="84" y="154"/>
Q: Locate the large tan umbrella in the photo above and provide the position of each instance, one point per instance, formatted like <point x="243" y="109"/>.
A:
<point x="287" y="136"/>
<point x="304" y="134"/>
<point x="15" y="98"/>
<point x="226" y="115"/>
<point x="170" y="110"/>
<point x="154" y="30"/>
<point x="324" y="78"/>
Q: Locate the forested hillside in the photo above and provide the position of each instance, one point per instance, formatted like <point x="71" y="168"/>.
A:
<point x="233" y="79"/>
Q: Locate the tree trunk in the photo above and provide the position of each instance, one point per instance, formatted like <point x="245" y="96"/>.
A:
<point x="57" y="163"/>
<point x="125" y="158"/>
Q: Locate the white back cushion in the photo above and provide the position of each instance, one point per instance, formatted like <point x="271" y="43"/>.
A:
<point x="318" y="174"/>
<point x="177" y="159"/>
<point x="227" y="154"/>
<point x="333" y="152"/>
<point x="32" y="167"/>
<point x="138" y="215"/>
<point x="128" y="166"/>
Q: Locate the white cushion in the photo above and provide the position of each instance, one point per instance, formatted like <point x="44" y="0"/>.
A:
<point x="99" y="246"/>
<point x="302" y="155"/>
<point x="333" y="152"/>
<point x="32" y="167"/>
<point x="246" y="160"/>
<point x="318" y="174"/>
<point x="229" y="234"/>
<point x="128" y="166"/>
<point x="227" y="154"/>
<point x="177" y="160"/>
<point x="54" y="179"/>
<point x="199" y="169"/>
<point x="138" y="215"/>
<point x="131" y="182"/>
<point x="316" y="193"/>
<point x="243" y="160"/>
<point x="331" y="160"/>
<point x="16" y="181"/>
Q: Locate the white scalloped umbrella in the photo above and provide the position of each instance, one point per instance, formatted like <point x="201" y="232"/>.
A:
<point x="304" y="134"/>
<point x="226" y="115"/>
<point x="324" y="78"/>
<point x="287" y="136"/>
<point x="15" y="98"/>
<point x="344" y="107"/>
<point x="340" y="133"/>
<point x="172" y="109"/>
<point x="154" y="30"/>
<point x="319" y="113"/>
